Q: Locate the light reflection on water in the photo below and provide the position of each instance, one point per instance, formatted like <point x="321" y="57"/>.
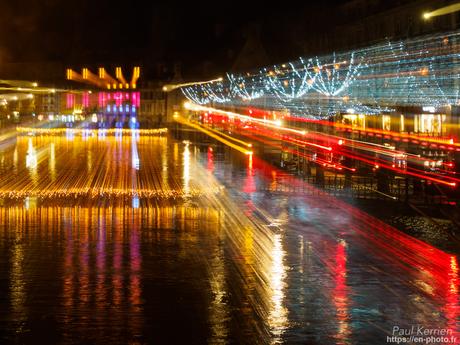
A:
<point x="243" y="265"/>
<point x="278" y="313"/>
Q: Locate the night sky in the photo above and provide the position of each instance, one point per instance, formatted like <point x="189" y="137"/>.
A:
<point x="102" y="32"/>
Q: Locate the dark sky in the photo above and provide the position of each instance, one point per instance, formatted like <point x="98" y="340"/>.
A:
<point x="103" y="31"/>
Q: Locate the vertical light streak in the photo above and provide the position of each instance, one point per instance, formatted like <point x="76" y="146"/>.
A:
<point x="210" y="160"/>
<point x="31" y="156"/>
<point x="164" y="162"/>
<point x="451" y="308"/>
<point x="15" y="159"/>
<point x="18" y="283"/>
<point x="135" y="162"/>
<point x="52" y="162"/>
<point x="84" y="289"/>
<point x="101" y="257"/>
<point x="278" y="313"/>
<point x="135" y="287"/>
<point x="117" y="261"/>
<point x="68" y="269"/>
<point x="219" y="311"/>
<point x="186" y="170"/>
<point x="340" y="294"/>
<point x="249" y="183"/>
<point x="32" y="162"/>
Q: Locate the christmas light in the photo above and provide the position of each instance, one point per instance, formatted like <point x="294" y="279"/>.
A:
<point x="292" y="83"/>
<point x="417" y="72"/>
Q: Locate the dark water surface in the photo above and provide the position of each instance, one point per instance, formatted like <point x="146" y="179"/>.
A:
<point x="144" y="240"/>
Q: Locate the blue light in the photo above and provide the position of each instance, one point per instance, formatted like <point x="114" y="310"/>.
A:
<point x="135" y="201"/>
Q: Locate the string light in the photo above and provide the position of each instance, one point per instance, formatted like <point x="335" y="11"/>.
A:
<point x="292" y="83"/>
<point x="417" y="72"/>
<point x="247" y="88"/>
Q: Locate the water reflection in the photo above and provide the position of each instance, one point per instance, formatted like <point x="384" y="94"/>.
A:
<point x="32" y="161"/>
<point x="18" y="284"/>
<point x="340" y="294"/>
<point x="186" y="172"/>
<point x="278" y="312"/>
<point x="239" y="263"/>
<point x="52" y="162"/>
<point x="100" y="167"/>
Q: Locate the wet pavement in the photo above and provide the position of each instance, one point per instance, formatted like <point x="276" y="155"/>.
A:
<point x="146" y="240"/>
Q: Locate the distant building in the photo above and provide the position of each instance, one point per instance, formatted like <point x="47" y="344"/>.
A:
<point x="153" y="103"/>
<point x="48" y="104"/>
<point x="252" y="54"/>
<point x="359" y="23"/>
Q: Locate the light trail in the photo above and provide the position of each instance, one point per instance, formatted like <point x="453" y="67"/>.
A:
<point x="32" y="89"/>
<point x="371" y="147"/>
<point x="249" y="145"/>
<point x="171" y="87"/>
<point x="415" y="138"/>
<point x="113" y="170"/>
<point x="86" y="131"/>
<point x="213" y="135"/>
<point x="442" y="11"/>
<point x="274" y="124"/>
<point x="19" y="83"/>
<point x="237" y="240"/>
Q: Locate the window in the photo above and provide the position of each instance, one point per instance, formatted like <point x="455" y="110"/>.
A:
<point x="356" y="121"/>
<point x="428" y="124"/>
<point x="386" y="122"/>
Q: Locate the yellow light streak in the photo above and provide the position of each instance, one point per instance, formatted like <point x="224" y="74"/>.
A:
<point x="19" y="83"/>
<point x="135" y="76"/>
<point x="88" y="77"/>
<point x="120" y="77"/>
<point x="227" y="136"/>
<point x="171" y="87"/>
<point x="275" y="124"/>
<point x="442" y="11"/>
<point x="212" y="135"/>
<point x="109" y="131"/>
<point x="108" y="172"/>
